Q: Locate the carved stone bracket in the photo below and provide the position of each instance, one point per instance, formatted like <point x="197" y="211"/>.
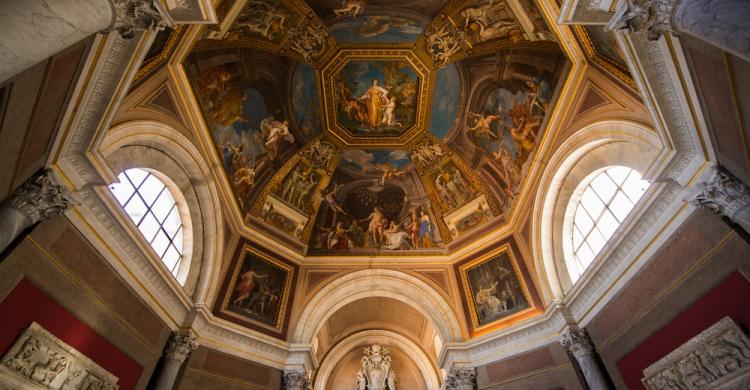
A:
<point x="136" y="15"/>
<point x="726" y="196"/>
<point x="295" y="380"/>
<point x="39" y="360"/>
<point x="717" y="358"/>
<point x="461" y="378"/>
<point x="180" y="346"/>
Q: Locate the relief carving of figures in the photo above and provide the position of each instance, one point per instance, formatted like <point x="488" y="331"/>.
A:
<point x="444" y="42"/>
<point x="319" y="154"/>
<point x="427" y="152"/>
<point x="136" y="15"/>
<point x="43" y="359"/>
<point x="265" y="18"/>
<point x="376" y="373"/>
<point x="718" y="358"/>
<point x="307" y="39"/>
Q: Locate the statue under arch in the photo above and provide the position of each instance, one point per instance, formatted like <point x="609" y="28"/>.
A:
<point x="376" y="372"/>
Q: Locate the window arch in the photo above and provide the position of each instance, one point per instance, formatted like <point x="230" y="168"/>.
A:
<point x="152" y="207"/>
<point x="598" y="206"/>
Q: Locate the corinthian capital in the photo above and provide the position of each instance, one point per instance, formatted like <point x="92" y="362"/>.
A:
<point x="39" y="198"/>
<point x="180" y="346"/>
<point x="723" y="194"/>
<point x="652" y="16"/>
<point x="577" y="342"/>
<point x="136" y="15"/>
<point x="461" y="378"/>
<point x="295" y="380"/>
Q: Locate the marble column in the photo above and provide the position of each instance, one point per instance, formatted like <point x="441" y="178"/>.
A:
<point x="33" y="30"/>
<point x="295" y="380"/>
<point x="578" y="344"/>
<point x="726" y="196"/>
<point x="461" y="378"/>
<point x="722" y="23"/>
<point x="36" y="200"/>
<point x="179" y="347"/>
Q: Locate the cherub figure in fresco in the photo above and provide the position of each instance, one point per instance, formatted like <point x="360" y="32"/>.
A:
<point x="245" y="287"/>
<point x="350" y="8"/>
<point x="539" y="95"/>
<point x="482" y="129"/>
<point x="275" y="132"/>
<point x="389" y="172"/>
<point x="388" y="113"/>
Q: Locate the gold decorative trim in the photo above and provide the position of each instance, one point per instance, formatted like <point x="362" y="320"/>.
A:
<point x="603" y="61"/>
<point x="161" y="58"/>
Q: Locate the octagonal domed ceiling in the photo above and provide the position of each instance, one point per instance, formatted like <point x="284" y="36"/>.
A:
<point x="376" y="127"/>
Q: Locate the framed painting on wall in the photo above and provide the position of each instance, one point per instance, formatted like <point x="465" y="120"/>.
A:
<point x="257" y="291"/>
<point x="494" y="289"/>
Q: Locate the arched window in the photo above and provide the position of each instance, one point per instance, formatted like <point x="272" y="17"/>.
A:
<point x="152" y="207"/>
<point x="599" y="205"/>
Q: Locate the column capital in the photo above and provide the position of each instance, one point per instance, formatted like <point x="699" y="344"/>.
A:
<point x="723" y="194"/>
<point x="577" y="342"/>
<point x="136" y="15"/>
<point x="179" y="347"/>
<point x="39" y="198"/>
<point x="295" y="379"/>
<point x="461" y="378"/>
<point x="652" y="16"/>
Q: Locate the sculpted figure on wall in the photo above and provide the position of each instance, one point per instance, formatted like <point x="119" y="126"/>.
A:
<point x="376" y="373"/>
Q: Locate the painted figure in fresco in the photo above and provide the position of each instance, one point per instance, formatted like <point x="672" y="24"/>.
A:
<point x="482" y="124"/>
<point x="265" y="18"/>
<point x="331" y="199"/>
<point x="503" y="289"/>
<point x="375" y="98"/>
<point x="396" y="237"/>
<point x="350" y="8"/>
<point x="426" y="230"/>
<point x="375" y="228"/>
<point x="389" y="172"/>
<point x="524" y="136"/>
<point x="388" y="115"/>
<point x="229" y="154"/>
<point x="488" y="20"/>
<point x="451" y="187"/>
<point x="505" y="164"/>
<point x="247" y="284"/>
<point x="338" y="237"/>
<point x="276" y="131"/>
<point x="539" y="96"/>
<point x="487" y="302"/>
<point x="413" y="228"/>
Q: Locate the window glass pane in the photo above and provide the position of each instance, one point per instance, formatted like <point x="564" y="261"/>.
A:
<point x="150" y="189"/>
<point x="160" y="243"/>
<point x="618" y="174"/>
<point x="122" y="190"/>
<point x="178" y="239"/>
<point x="621" y="206"/>
<point x="577" y="237"/>
<point x="592" y="203"/>
<point x="634" y="187"/>
<point x="172" y="223"/>
<point x="608" y="224"/>
<point x="163" y="205"/>
<point x="171" y="258"/>
<point x="136" y="176"/>
<point x="583" y="220"/>
<point x="604" y="187"/>
<point x="585" y="256"/>
<point x="135" y="209"/>
<point x="148" y="227"/>
<point x="596" y="240"/>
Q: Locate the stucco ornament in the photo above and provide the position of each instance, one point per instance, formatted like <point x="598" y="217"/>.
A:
<point x="376" y="372"/>
<point x="136" y="15"/>
<point x="461" y="378"/>
<point x="444" y="42"/>
<point x="39" y="198"/>
<point x="652" y="16"/>
<point x="308" y="39"/>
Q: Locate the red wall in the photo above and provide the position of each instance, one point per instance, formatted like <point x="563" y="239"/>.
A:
<point x="27" y="303"/>
<point x="729" y="298"/>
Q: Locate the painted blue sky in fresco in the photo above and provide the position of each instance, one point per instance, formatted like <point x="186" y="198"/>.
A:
<point x="366" y="161"/>
<point x="305" y="100"/>
<point x="445" y="101"/>
<point x="376" y="29"/>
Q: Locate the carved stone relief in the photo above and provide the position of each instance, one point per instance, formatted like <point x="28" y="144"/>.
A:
<point x="717" y="358"/>
<point x="463" y="378"/>
<point x="39" y="360"/>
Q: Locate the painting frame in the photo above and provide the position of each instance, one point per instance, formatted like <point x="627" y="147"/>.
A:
<point x="470" y="306"/>
<point x="244" y="252"/>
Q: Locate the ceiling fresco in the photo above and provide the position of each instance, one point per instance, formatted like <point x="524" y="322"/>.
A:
<point x="376" y="127"/>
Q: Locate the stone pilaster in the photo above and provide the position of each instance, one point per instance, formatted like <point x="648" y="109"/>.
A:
<point x="36" y="200"/>
<point x="295" y="380"/>
<point x="579" y="345"/>
<point x="461" y="378"/>
<point x="178" y="349"/>
<point x="726" y="196"/>
<point x="136" y="15"/>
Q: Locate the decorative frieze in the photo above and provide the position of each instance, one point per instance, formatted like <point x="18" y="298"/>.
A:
<point x="39" y="360"/>
<point x="717" y="358"/>
<point x="295" y="380"/>
<point x="461" y="378"/>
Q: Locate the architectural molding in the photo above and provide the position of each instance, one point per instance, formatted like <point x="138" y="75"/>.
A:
<point x="717" y="358"/>
<point x="39" y="360"/>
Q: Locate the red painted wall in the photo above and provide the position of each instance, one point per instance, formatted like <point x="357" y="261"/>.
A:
<point x="728" y="298"/>
<point x="27" y="303"/>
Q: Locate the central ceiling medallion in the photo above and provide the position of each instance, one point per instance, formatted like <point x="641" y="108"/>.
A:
<point x="375" y="96"/>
